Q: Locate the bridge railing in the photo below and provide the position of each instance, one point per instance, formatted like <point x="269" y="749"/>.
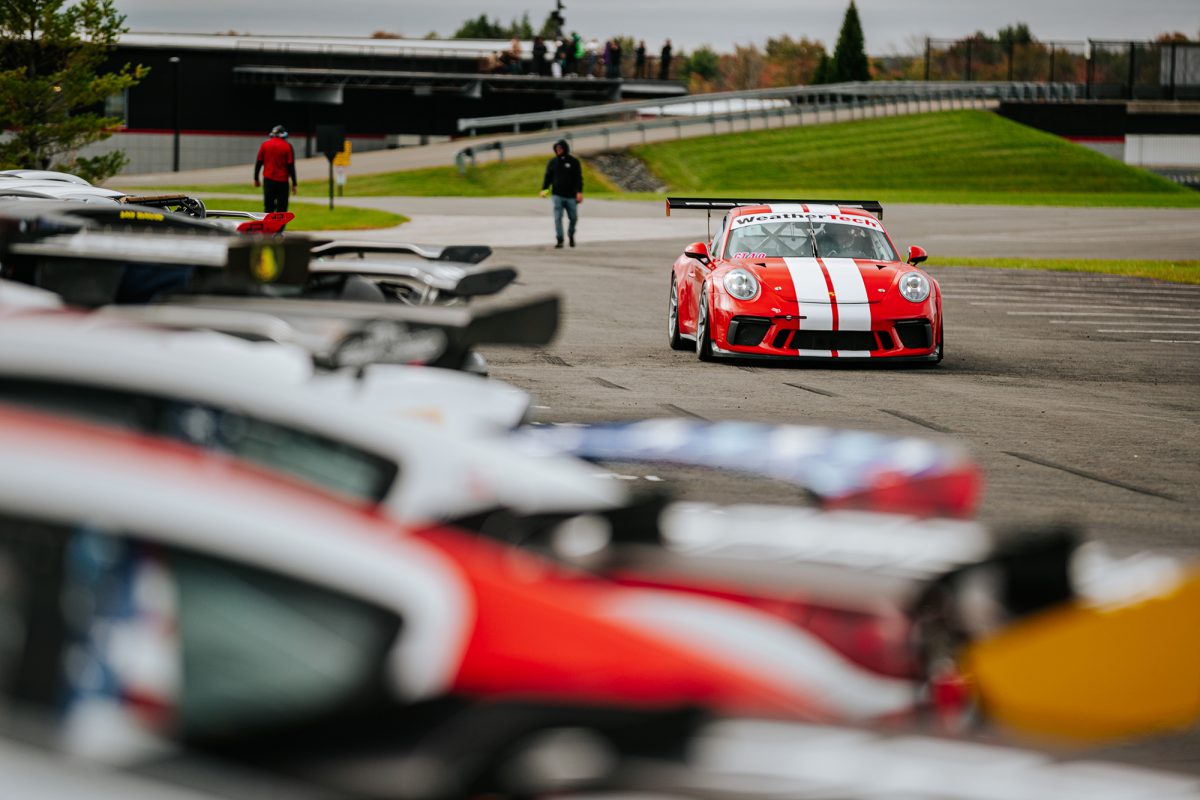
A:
<point x="792" y="94"/>
<point x="793" y="102"/>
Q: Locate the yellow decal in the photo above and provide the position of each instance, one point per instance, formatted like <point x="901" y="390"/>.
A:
<point x="1093" y="673"/>
<point x="143" y="216"/>
<point x="264" y="263"/>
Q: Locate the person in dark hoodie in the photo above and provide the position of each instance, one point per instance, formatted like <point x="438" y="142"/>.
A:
<point x="564" y="182"/>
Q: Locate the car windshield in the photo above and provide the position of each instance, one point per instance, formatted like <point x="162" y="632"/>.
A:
<point x="795" y="239"/>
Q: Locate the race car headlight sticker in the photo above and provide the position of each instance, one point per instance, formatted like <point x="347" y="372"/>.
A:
<point x="741" y="284"/>
<point x="914" y="286"/>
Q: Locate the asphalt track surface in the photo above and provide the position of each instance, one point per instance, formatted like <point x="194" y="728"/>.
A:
<point x="1078" y="394"/>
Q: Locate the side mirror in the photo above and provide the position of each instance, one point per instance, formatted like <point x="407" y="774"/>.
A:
<point x="916" y="255"/>
<point x="698" y="251"/>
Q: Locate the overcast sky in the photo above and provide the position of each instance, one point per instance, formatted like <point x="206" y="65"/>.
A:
<point x="889" y="25"/>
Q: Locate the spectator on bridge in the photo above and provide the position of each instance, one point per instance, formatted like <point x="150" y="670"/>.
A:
<point x="277" y="162"/>
<point x="593" y="56"/>
<point x="613" y="59"/>
<point x="574" y="54"/>
<point x="514" y="56"/>
<point x="564" y="181"/>
<point x="558" y="62"/>
<point x="639" y="63"/>
<point x="664" y="64"/>
<point x="540" y="65"/>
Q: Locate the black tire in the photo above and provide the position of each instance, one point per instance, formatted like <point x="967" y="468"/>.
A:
<point x="940" y="350"/>
<point x="703" y="340"/>
<point x="673" y="338"/>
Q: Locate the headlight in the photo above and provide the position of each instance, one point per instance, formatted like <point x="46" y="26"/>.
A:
<point x="741" y="284"/>
<point x="914" y="286"/>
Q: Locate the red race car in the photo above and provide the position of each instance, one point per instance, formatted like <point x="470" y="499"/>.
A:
<point x="810" y="279"/>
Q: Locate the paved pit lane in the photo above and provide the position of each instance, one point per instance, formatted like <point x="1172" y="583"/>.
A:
<point x="1072" y="417"/>
<point x="1078" y="394"/>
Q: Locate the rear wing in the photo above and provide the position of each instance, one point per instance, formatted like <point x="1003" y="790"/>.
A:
<point x="463" y="253"/>
<point x="710" y="203"/>
<point x="124" y="215"/>
<point x="181" y="203"/>
<point x="532" y="322"/>
<point x="89" y="267"/>
<point x="459" y="280"/>
<point x="839" y="469"/>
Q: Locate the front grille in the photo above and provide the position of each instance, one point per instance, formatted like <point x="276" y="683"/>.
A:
<point x="834" y="340"/>
<point x="748" y="331"/>
<point x="915" y="333"/>
<point x="781" y="338"/>
<point x="885" y="340"/>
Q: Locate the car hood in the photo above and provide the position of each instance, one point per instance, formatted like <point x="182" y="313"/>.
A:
<point x="811" y="280"/>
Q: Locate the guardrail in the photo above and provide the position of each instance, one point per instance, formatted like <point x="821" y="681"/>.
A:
<point x="793" y="94"/>
<point x="802" y="100"/>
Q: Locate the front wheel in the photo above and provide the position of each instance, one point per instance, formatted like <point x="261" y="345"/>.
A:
<point x="673" y="338"/>
<point x="703" y="342"/>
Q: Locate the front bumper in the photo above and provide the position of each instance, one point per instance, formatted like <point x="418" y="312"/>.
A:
<point x="911" y="337"/>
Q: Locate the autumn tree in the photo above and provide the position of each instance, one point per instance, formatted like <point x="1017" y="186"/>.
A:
<point x="850" y="55"/>
<point x="484" y="28"/>
<point x="52" y="87"/>
<point x="791" y="62"/>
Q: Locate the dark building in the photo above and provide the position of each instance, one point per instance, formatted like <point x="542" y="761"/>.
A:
<point x="223" y="93"/>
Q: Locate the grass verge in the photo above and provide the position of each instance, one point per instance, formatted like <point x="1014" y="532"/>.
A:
<point x="313" y="217"/>
<point x="950" y="157"/>
<point x="1174" y="271"/>
<point x="947" y="157"/>
<point x="520" y="177"/>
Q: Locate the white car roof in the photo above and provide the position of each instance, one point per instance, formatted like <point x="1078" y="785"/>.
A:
<point x="67" y="472"/>
<point x="44" y="175"/>
<point x="442" y="475"/>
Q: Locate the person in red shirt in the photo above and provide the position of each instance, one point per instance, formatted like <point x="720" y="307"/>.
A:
<point x="277" y="162"/>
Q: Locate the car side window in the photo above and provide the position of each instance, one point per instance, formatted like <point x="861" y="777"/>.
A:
<point x="261" y="649"/>
<point x="715" y="245"/>
<point x="32" y="628"/>
<point x="332" y="465"/>
<point x="212" y="648"/>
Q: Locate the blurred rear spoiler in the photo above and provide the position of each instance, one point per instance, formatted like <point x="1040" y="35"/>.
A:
<point x="462" y="253"/>
<point x="838" y="468"/>
<point x="182" y="203"/>
<point x="710" y="203"/>
<point x="461" y="280"/>
<point x="533" y="322"/>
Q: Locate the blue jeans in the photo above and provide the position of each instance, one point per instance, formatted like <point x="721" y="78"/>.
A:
<point x="572" y="208"/>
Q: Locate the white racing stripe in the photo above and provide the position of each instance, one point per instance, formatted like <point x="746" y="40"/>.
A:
<point x="812" y="293"/>
<point x="854" y="312"/>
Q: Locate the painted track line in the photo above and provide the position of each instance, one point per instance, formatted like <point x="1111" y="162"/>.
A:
<point x="609" y="384"/>
<point x="1091" y="476"/>
<point x="821" y="392"/>
<point x="682" y="412"/>
<point x="933" y="426"/>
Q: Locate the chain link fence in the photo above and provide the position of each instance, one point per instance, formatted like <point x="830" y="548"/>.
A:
<point x="1117" y="70"/>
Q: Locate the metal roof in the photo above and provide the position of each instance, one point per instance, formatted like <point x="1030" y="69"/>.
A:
<point x="325" y="45"/>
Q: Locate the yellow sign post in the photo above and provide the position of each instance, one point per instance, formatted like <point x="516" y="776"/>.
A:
<point x="341" y="164"/>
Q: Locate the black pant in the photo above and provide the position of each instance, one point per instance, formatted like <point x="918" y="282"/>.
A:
<point x="275" y="195"/>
